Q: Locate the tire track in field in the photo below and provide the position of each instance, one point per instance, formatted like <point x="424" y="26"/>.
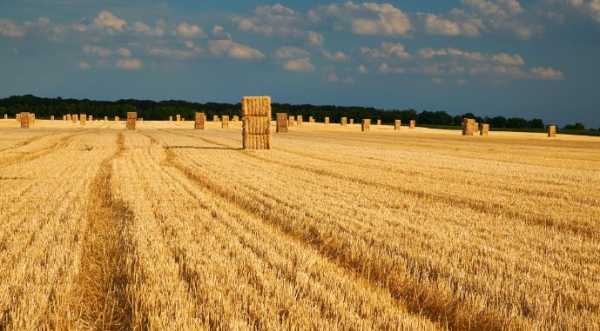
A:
<point x="420" y="299"/>
<point x="490" y="208"/>
<point x="28" y="141"/>
<point x="101" y="300"/>
<point x="29" y="156"/>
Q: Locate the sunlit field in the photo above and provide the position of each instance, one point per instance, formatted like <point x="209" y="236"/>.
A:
<point x="167" y="227"/>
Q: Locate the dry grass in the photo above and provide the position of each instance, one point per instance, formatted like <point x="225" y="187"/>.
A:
<point x="170" y="228"/>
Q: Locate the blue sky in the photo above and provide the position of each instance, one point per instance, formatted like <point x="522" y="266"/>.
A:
<point x="536" y="58"/>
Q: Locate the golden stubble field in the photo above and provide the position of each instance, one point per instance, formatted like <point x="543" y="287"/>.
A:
<point x="167" y="227"/>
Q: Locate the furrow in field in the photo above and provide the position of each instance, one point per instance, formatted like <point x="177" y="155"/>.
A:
<point x="260" y="255"/>
<point x="24" y="156"/>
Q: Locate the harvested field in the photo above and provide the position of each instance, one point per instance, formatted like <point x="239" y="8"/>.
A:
<point x="167" y="227"/>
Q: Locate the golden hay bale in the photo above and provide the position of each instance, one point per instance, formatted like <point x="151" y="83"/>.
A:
<point x="52" y="117"/>
<point x="117" y="119"/>
<point x="82" y="118"/>
<point x="216" y="118"/>
<point x="18" y="117"/>
<point x="468" y="127"/>
<point x="5" y="116"/>
<point x="178" y="118"/>
<point x="199" y="121"/>
<point x="282" y="122"/>
<point x="378" y="122"/>
<point x="365" y="125"/>
<point x="235" y="118"/>
<point x="32" y="118"/>
<point x="344" y="121"/>
<point x="484" y="129"/>
<point x="551" y="131"/>
<point x="476" y="127"/>
<point x="225" y="122"/>
<point x="291" y="121"/>
<point x="397" y="124"/>
<point x="351" y="121"/>
<point x="131" y="119"/>
<point x="24" y="119"/>
<point x="170" y="118"/>
<point x="256" y="128"/>
<point x="299" y="120"/>
<point x="311" y="119"/>
<point x="105" y="118"/>
<point x="91" y="118"/>
<point x="412" y="124"/>
<point x="326" y="120"/>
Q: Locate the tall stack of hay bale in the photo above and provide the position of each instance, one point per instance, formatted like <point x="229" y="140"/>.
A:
<point x="18" y="117"/>
<point x="256" y="131"/>
<point x="378" y="122"/>
<point x="397" y="124"/>
<point x="75" y="118"/>
<point x="170" y="118"/>
<point x="468" y="127"/>
<point x="216" y="118"/>
<point x="365" y="125"/>
<point x="5" y="116"/>
<point x="199" y="121"/>
<point x="326" y="120"/>
<point x="551" y="131"/>
<point x="32" y="118"/>
<point x="178" y="118"/>
<point x="484" y="129"/>
<point x="24" y="119"/>
<point x="225" y="122"/>
<point x="351" y="121"/>
<point x="131" y="119"/>
<point x="52" y="117"/>
<point x="291" y="120"/>
<point x="235" y="118"/>
<point x="412" y="124"/>
<point x="299" y="120"/>
<point x="281" y="120"/>
<point x="344" y="121"/>
<point x="82" y="118"/>
<point x="105" y="118"/>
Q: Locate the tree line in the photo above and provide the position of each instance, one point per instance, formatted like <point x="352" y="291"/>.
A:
<point x="161" y="110"/>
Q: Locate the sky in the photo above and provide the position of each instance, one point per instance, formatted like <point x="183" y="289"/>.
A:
<point x="532" y="59"/>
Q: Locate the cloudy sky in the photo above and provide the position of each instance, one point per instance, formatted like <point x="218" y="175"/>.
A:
<point x="536" y="58"/>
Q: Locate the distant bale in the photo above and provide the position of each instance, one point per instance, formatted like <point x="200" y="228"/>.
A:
<point x="235" y="118"/>
<point x="82" y="118"/>
<point x="117" y="119"/>
<point x="32" y="118"/>
<point x="552" y="131"/>
<point x="397" y="124"/>
<point x="299" y="120"/>
<point x="281" y="120"/>
<point x="468" y="127"/>
<point x="105" y="118"/>
<point x="311" y="119"/>
<point x="199" y="121"/>
<point x="484" y="129"/>
<point x="24" y="118"/>
<point x="5" y="116"/>
<point x="52" y="117"/>
<point x="365" y="125"/>
<point x="256" y="127"/>
<point x="225" y="122"/>
<point x="18" y="117"/>
<point x="326" y="120"/>
<point x="216" y="118"/>
<point x="412" y="124"/>
<point x="344" y="121"/>
<point x="91" y="118"/>
<point x="178" y="118"/>
<point x="131" y="119"/>
<point x="171" y="118"/>
<point x="378" y="122"/>
<point x="476" y="127"/>
<point x="351" y="121"/>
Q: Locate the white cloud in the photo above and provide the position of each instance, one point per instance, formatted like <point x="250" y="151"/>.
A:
<point x="315" y="38"/>
<point x="302" y="64"/>
<point x="234" y="50"/>
<point x="291" y="53"/>
<point x="84" y="65"/>
<point x="385" y="68"/>
<point x="370" y="18"/>
<point x="333" y="77"/>
<point x="588" y="7"/>
<point x="387" y="50"/>
<point x="509" y="60"/>
<point x="436" y="25"/>
<point x="189" y="31"/>
<point x="9" y="29"/>
<point x="219" y="32"/>
<point x="129" y="64"/>
<point x="175" y="54"/>
<point x="276" y="20"/>
<point x="547" y="73"/>
<point x="124" y="52"/>
<point x="108" y="20"/>
<point x="97" y="51"/>
<point x="336" y="56"/>
<point x="363" y="69"/>
<point x="157" y="31"/>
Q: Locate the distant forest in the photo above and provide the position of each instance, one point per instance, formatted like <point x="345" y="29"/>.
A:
<point x="161" y="110"/>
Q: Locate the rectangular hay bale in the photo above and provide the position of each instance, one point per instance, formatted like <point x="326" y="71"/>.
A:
<point x="412" y="124"/>
<point x="256" y="127"/>
<point x="365" y="125"/>
<point x="199" y="121"/>
<point x="281" y="120"/>
<point x="397" y="124"/>
<point x="551" y="131"/>
<point x="131" y="119"/>
<point x="225" y="122"/>
<point x="24" y="119"/>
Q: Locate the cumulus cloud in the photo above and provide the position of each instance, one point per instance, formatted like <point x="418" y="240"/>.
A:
<point x="129" y="64"/>
<point x="547" y="73"/>
<point x="302" y="64"/>
<point x="234" y="50"/>
<point x="157" y="31"/>
<point x="175" y="53"/>
<point x="97" y="51"/>
<point x="275" y="20"/>
<point x="189" y="31"/>
<point x="363" y="69"/>
<point x="386" y="50"/>
<point x="369" y="18"/>
<point x="437" y="25"/>
<point x="588" y="7"/>
<point x="336" y="56"/>
<point x="9" y="29"/>
<point x="385" y="68"/>
<point x="314" y="38"/>
<point x="290" y="53"/>
<point x="509" y="60"/>
<point x="108" y="20"/>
